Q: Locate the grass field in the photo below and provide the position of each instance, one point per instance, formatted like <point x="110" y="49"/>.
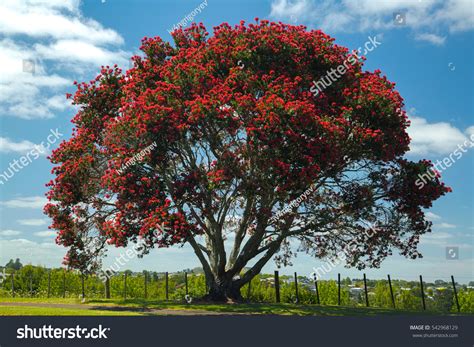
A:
<point x="114" y="307"/>
<point x="55" y="311"/>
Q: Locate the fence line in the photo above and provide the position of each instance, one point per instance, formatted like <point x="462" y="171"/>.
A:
<point x="166" y="286"/>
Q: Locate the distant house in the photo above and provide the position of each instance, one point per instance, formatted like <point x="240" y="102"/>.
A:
<point x="268" y="280"/>
<point x="3" y="276"/>
<point x="355" y="291"/>
<point x="306" y="280"/>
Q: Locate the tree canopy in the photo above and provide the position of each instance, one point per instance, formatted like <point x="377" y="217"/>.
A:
<point x="237" y="136"/>
<point x="14" y="265"/>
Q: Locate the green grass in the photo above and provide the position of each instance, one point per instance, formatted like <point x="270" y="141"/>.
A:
<point x="41" y="300"/>
<point x="120" y="307"/>
<point x="54" y="311"/>
<point x="257" y="308"/>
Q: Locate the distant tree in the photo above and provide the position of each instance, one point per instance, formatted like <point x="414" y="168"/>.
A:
<point x="408" y="300"/>
<point x="14" y="265"/>
<point x="442" y="300"/>
<point x="328" y="293"/>
<point x="466" y="301"/>
<point x="382" y="297"/>
<point x="10" y="264"/>
<point x="18" y="265"/>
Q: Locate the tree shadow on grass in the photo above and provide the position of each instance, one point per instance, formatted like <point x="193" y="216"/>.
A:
<point x="155" y="306"/>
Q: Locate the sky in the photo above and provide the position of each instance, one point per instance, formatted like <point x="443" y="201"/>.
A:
<point x="426" y="48"/>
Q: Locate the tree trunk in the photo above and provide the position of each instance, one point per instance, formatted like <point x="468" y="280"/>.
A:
<point x="224" y="291"/>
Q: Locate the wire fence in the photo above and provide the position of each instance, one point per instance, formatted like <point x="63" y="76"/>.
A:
<point x="436" y="295"/>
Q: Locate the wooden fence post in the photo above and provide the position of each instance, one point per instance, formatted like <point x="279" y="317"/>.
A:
<point x="422" y="293"/>
<point x="83" y="289"/>
<point x="249" y="290"/>
<point x="49" y="283"/>
<point x="277" y="287"/>
<point x="339" y="289"/>
<point x="125" y="286"/>
<point x="455" y="293"/>
<point x="317" y="290"/>
<point x="391" y="291"/>
<point x="186" y="282"/>
<point x="145" y="279"/>
<point x="107" y="287"/>
<point x="64" y="284"/>
<point x="366" y="294"/>
<point x="167" y="286"/>
<point x="296" y="289"/>
<point x="13" y="284"/>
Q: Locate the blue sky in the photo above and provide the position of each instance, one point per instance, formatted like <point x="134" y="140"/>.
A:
<point x="428" y="54"/>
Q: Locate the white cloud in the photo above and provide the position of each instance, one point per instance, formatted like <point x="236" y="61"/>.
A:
<point x="458" y="13"/>
<point x="58" y="102"/>
<point x="431" y="237"/>
<point x="445" y="226"/>
<point x="9" y="232"/>
<point x="432" y="216"/>
<point x="46" y="233"/>
<point x="51" y="20"/>
<point x="30" y="252"/>
<point x="443" y="239"/>
<point x="50" y="254"/>
<point x="433" y="138"/>
<point x="431" y="38"/>
<point x="22" y="147"/>
<point x="71" y="52"/>
<point x="34" y="202"/>
<point x="32" y="221"/>
<point x="348" y="15"/>
<point x="64" y="42"/>
<point x="470" y="131"/>
<point x="20" y="91"/>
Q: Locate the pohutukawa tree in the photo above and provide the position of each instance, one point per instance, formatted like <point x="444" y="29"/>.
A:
<point x="239" y="136"/>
